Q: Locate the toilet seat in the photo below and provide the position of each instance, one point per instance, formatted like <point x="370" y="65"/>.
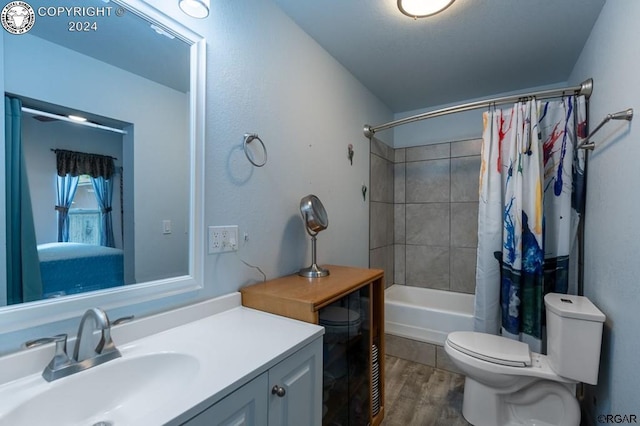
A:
<point x="539" y="366"/>
<point x="487" y="347"/>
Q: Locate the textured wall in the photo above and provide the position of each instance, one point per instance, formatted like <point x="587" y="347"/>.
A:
<point x="612" y="57"/>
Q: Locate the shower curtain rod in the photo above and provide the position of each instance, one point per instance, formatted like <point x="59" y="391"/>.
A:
<point x="65" y="118"/>
<point x="585" y="88"/>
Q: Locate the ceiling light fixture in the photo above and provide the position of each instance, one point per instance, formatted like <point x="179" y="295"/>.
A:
<point x="422" y="8"/>
<point x="77" y="118"/>
<point x="161" y="31"/>
<point x="195" y="8"/>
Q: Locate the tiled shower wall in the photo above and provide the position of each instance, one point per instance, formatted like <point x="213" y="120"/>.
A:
<point x="381" y="241"/>
<point x="424" y="226"/>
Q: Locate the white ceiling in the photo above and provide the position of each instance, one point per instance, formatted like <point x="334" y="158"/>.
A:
<point x="474" y="49"/>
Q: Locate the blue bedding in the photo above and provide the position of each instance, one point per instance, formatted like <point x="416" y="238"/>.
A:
<point x="70" y="268"/>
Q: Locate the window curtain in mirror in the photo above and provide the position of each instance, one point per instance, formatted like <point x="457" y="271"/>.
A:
<point x="528" y="213"/>
<point x="24" y="283"/>
<point x="70" y="165"/>
<point x="66" y="187"/>
<point x="104" y="195"/>
<point x="81" y="163"/>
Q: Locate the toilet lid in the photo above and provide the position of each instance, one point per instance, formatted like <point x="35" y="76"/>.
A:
<point x="487" y="347"/>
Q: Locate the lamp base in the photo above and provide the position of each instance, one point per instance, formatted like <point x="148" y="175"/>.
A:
<point x="313" y="271"/>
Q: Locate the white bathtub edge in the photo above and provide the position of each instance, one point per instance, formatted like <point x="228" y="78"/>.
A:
<point x="415" y="333"/>
<point x="426" y="315"/>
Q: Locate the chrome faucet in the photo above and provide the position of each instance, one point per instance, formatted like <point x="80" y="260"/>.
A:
<point x="82" y="351"/>
<point x="84" y="357"/>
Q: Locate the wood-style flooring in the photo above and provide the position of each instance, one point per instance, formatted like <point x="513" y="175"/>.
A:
<point x="419" y="395"/>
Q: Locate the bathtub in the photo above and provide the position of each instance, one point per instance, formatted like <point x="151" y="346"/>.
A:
<point x="426" y="315"/>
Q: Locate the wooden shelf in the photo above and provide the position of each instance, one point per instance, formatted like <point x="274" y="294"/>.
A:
<point x="302" y="298"/>
<point x="299" y="297"/>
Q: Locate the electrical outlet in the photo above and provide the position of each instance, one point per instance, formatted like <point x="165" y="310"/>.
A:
<point x="222" y="239"/>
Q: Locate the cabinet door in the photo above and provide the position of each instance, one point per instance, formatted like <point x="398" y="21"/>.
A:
<point x="295" y="388"/>
<point x="246" y="406"/>
<point x="347" y="368"/>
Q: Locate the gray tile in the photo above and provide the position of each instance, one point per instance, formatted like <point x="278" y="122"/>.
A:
<point x="428" y="181"/>
<point x="381" y="224"/>
<point x="382" y="258"/>
<point x="399" y="269"/>
<point x="428" y="152"/>
<point x="463" y="270"/>
<point x="412" y="350"/>
<point x="465" y="172"/>
<point x="466" y="148"/>
<point x="443" y="361"/>
<point x="431" y="240"/>
<point x="464" y="224"/>
<point x="427" y="267"/>
<point x="399" y="183"/>
<point x="381" y="184"/>
<point x="377" y="257"/>
<point x="427" y="224"/>
<point x="399" y="223"/>
<point x="381" y="149"/>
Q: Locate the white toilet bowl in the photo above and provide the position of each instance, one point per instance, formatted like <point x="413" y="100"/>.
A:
<point x="499" y="395"/>
<point x="507" y="385"/>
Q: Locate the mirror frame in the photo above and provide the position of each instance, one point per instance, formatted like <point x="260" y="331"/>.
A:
<point x="24" y="316"/>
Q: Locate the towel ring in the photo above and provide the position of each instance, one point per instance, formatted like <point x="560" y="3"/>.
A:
<point x="248" y="138"/>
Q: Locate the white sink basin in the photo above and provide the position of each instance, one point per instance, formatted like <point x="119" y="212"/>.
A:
<point x="117" y="392"/>
<point x="174" y="365"/>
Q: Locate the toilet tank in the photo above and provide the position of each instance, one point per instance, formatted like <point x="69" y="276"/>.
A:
<point x="574" y="336"/>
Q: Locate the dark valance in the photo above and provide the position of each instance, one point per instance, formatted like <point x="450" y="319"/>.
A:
<point x="80" y="163"/>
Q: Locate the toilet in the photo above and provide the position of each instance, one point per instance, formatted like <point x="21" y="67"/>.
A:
<point x="507" y="385"/>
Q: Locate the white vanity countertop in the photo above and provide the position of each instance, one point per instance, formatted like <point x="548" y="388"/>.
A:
<point x="233" y="346"/>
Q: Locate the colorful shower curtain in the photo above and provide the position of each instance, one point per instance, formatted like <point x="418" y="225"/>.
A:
<point x="530" y="201"/>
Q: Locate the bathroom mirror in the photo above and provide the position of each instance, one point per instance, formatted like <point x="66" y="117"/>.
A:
<point x="126" y="66"/>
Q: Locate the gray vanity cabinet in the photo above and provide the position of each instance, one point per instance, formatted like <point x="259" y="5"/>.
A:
<point x="289" y="393"/>
<point x="295" y="388"/>
<point x="247" y="405"/>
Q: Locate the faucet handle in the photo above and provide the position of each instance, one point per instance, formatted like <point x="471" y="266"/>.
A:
<point x="44" y="340"/>
<point x="123" y="320"/>
<point x="60" y="358"/>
